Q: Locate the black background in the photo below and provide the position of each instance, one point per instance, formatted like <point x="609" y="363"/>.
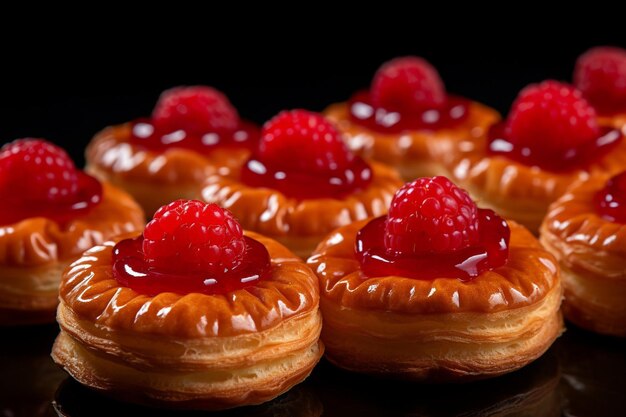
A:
<point x="66" y="94"/>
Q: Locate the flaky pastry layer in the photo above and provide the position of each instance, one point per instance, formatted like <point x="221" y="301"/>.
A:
<point x="416" y="153"/>
<point x="155" y="178"/>
<point x="516" y="191"/>
<point x="301" y="224"/>
<point x="440" y="347"/>
<point x="592" y="253"/>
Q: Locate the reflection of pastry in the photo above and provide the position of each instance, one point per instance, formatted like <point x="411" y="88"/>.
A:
<point x="407" y="120"/>
<point x="50" y="212"/>
<point x="29" y="377"/>
<point x="435" y="290"/>
<point x="531" y="391"/>
<point x="586" y="231"/>
<point x="74" y="400"/>
<point x="600" y="75"/>
<point x="593" y="369"/>
<point x="550" y="139"/>
<point x="302" y="183"/>
<point x="193" y="314"/>
<point x="194" y="132"/>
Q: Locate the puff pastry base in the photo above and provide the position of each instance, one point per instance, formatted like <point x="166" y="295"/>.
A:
<point x="189" y="351"/>
<point x="592" y="253"/>
<point x="443" y="329"/>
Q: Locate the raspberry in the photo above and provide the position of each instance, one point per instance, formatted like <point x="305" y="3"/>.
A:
<point x="600" y="75"/>
<point x="37" y="170"/>
<point x="431" y="215"/>
<point x="408" y="85"/>
<point x="299" y="140"/>
<point x="551" y="116"/>
<point x="196" y="109"/>
<point x="192" y="236"/>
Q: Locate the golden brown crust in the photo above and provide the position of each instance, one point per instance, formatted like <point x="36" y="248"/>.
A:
<point x="193" y="351"/>
<point x="156" y="178"/>
<point x="210" y="389"/>
<point x="34" y="252"/>
<point x="90" y="291"/>
<point x="516" y="191"/>
<point x="592" y="253"/>
<point x="415" y="154"/>
<point x="441" y="329"/>
<point x="301" y="224"/>
<point x="440" y="347"/>
<point x="529" y="275"/>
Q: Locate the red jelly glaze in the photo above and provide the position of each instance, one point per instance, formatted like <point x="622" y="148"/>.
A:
<point x="363" y="112"/>
<point x="556" y="160"/>
<point x="131" y="269"/>
<point x="89" y="194"/>
<point x="464" y="264"/>
<point x="610" y="202"/>
<point x="308" y="185"/>
<point x="147" y="134"/>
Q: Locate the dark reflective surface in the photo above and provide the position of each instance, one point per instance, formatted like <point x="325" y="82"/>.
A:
<point x="581" y="375"/>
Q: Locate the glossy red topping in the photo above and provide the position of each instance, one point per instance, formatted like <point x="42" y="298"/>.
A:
<point x="39" y="179"/>
<point x="301" y="154"/>
<point x="191" y="236"/>
<point x="433" y="230"/>
<point x="408" y="85"/>
<point x="196" y="109"/>
<point x="407" y="94"/>
<point x="552" y="126"/>
<point x="610" y="202"/>
<point x="600" y="75"/>
<point x="190" y="246"/>
<point x="198" y="118"/>
<point x="431" y="215"/>
<point x="303" y="140"/>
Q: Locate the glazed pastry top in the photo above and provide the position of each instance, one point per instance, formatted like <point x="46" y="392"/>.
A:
<point x="91" y="291"/>
<point x="528" y="276"/>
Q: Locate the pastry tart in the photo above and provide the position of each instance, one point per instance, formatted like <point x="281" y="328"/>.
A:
<point x="407" y="120"/>
<point x="50" y="213"/>
<point x="194" y="132"/>
<point x="194" y="313"/>
<point x="437" y="290"/>
<point x="600" y="75"/>
<point x="586" y="230"/>
<point x="302" y="183"/>
<point x="551" y="139"/>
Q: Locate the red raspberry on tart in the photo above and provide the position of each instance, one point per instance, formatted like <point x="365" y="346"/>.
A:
<point x="194" y="132"/>
<point x="409" y="293"/>
<point x="600" y="75"/>
<point x="586" y="230"/>
<point x="232" y="311"/>
<point x="49" y="213"/>
<point x="301" y="182"/>
<point x="407" y="119"/>
<point x="550" y="139"/>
